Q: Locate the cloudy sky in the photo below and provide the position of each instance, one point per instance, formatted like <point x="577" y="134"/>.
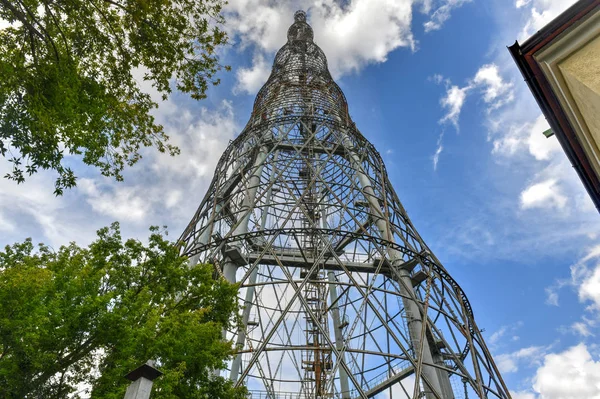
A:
<point x="432" y="85"/>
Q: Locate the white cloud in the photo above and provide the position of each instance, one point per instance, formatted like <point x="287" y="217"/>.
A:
<point x="582" y="329"/>
<point x="526" y="137"/>
<point x="403" y="390"/>
<point x="165" y="190"/>
<point x="496" y="91"/>
<point x="453" y="102"/>
<point x="514" y="127"/>
<point x="151" y="193"/>
<point x="438" y="151"/>
<point x="551" y="296"/>
<point x="526" y="159"/>
<point x="115" y="200"/>
<point x="592" y="253"/>
<point x="571" y="374"/>
<point x="540" y="13"/>
<point x="509" y="143"/>
<point x="546" y="194"/>
<point x="522" y="395"/>
<point x="173" y="198"/>
<point x="202" y="137"/>
<point x="521" y="157"/>
<point x="35" y="212"/>
<point x="585" y="280"/>
<point x="5" y="224"/>
<point x="540" y="146"/>
<point x="249" y="80"/>
<point x="517" y="139"/>
<point x="504" y="330"/>
<point x="521" y="3"/>
<point x="510" y="362"/>
<point x="161" y="189"/>
<point x="585" y="275"/>
<point x="437" y="78"/>
<point x="590" y="288"/>
<point x="363" y="32"/>
<point x="351" y="35"/>
<point x="436" y="156"/>
<point x="259" y="22"/>
<point x="515" y="131"/>
<point x="497" y="335"/>
<point x="442" y="14"/>
<point x="426" y="6"/>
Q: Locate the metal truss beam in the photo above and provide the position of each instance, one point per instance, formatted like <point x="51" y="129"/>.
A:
<point x="326" y="264"/>
<point x="396" y="378"/>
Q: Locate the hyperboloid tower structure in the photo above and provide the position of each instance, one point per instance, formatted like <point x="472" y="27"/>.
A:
<point x="341" y="297"/>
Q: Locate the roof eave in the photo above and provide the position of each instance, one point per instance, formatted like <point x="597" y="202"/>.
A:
<point x="541" y="89"/>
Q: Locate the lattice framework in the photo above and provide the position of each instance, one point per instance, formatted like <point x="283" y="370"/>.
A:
<point x="342" y="298"/>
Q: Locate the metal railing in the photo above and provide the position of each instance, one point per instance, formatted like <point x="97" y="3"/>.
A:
<point x="291" y="395"/>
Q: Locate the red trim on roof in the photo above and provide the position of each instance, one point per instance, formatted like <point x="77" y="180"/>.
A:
<point x="544" y="94"/>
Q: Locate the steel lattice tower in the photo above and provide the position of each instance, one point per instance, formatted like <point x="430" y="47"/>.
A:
<point x="341" y="297"/>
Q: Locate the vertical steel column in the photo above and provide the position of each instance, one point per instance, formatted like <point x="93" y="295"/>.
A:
<point x="339" y="338"/>
<point x="335" y="316"/>
<point x="237" y="360"/>
<point x="205" y="236"/>
<point x="229" y="267"/>
<point x="443" y="377"/>
<point x="241" y="338"/>
<point x="409" y="299"/>
<point x="265" y="213"/>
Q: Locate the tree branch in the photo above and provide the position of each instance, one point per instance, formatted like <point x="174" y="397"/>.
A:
<point x="4" y="352"/>
<point x="22" y="18"/>
<point x="117" y="5"/>
<point x="84" y="349"/>
<point x="108" y="24"/>
<point x="46" y="36"/>
<point x="62" y="34"/>
<point x="32" y="42"/>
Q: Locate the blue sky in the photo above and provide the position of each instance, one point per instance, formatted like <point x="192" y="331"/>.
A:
<point x="433" y="86"/>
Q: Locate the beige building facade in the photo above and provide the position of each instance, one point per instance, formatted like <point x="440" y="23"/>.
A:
<point x="561" y="65"/>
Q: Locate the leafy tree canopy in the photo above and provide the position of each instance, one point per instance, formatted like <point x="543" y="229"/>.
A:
<point x="66" y="83"/>
<point x="87" y="316"/>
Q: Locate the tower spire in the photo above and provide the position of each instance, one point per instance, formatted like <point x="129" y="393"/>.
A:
<point x="341" y="296"/>
<point x="300" y="30"/>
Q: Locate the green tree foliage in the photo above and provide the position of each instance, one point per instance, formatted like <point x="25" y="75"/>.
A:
<point x="87" y="316"/>
<point x="66" y="83"/>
